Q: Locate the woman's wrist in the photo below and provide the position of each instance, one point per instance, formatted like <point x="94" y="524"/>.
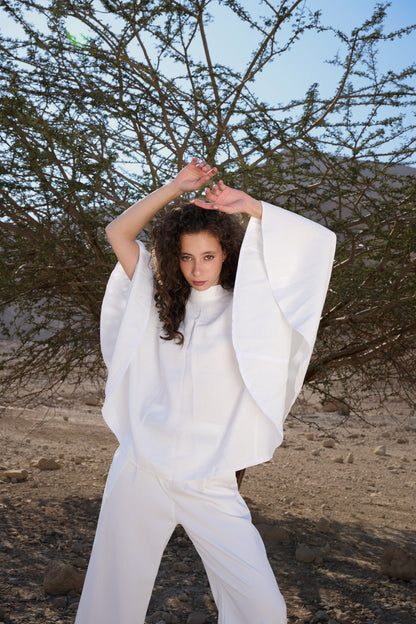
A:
<point x="255" y="208"/>
<point x="174" y="189"/>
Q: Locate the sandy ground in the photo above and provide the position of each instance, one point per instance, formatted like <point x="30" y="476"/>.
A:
<point x="345" y="504"/>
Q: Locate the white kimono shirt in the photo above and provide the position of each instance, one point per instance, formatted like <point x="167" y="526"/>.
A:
<point x="217" y="403"/>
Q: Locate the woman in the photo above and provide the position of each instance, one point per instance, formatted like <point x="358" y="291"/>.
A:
<point x="206" y="355"/>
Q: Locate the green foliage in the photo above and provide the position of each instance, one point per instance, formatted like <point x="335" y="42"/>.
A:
<point x="90" y="123"/>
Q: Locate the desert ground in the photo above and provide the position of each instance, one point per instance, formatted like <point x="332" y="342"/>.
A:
<point x="335" y="507"/>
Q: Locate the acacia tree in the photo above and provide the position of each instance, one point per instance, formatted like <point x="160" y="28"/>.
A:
<point x="89" y="125"/>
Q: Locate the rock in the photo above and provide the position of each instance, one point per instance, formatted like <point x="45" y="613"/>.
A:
<point x="177" y="603"/>
<point x="61" y="602"/>
<point x="320" y="616"/>
<point x="330" y="443"/>
<point x="60" y="578"/>
<point x="349" y="458"/>
<point x="45" y="463"/>
<point x="304" y="554"/>
<point x="320" y="553"/>
<point x="310" y="435"/>
<point x="323" y="525"/>
<point x="402" y="441"/>
<point x="335" y="405"/>
<point x="180" y="566"/>
<point x="15" y="475"/>
<point x="338" y="460"/>
<point x="162" y="616"/>
<point x="273" y="533"/>
<point x="157" y="616"/>
<point x="315" y="452"/>
<point x="399" y="563"/>
<point x="380" y="450"/>
<point x="77" y="547"/>
<point x="196" y="617"/>
<point x="92" y="400"/>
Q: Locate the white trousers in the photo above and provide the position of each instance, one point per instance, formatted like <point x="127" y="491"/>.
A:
<point x="138" y="515"/>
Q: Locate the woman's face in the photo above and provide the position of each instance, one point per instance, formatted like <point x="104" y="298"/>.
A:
<point x="201" y="259"/>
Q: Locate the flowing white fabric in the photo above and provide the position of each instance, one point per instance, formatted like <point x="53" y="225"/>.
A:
<point x="137" y="518"/>
<point x="282" y="279"/>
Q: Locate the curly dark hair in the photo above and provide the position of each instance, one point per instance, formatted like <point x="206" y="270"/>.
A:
<point x="171" y="288"/>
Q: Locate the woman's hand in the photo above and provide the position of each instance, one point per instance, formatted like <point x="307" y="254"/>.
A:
<point x="232" y="201"/>
<point x="193" y="176"/>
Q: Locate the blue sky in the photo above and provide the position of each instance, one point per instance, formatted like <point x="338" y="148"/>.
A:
<point x="305" y="64"/>
<point x="231" y="43"/>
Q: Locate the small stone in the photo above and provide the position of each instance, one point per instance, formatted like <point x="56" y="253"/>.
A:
<point x="399" y="563"/>
<point x="60" y="578"/>
<point x="315" y="452"/>
<point x="402" y="441"/>
<point x="162" y="616"/>
<point x="77" y="547"/>
<point x="45" y="463"/>
<point x="180" y="566"/>
<point x="320" y="616"/>
<point x="380" y="450"/>
<point x="61" y="602"/>
<point x="330" y="443"/>
<point x="196" y="617"/>
<point x="304" y="554"/>
<point x="349" y="458"/>
<point x="92" y="400"/>
<point x="323" y="525"/>
<point x="338" y="460"/>
<point x="157" y="616"/>
<point x="310" y="435"/>
<point x="273" y="533"/>
<point x="335" y="405"/>
<point x="15" y="475"/>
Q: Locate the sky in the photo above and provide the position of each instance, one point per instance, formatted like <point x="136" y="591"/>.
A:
<point x="305" y="64"/>
<point x="231" y="42"/>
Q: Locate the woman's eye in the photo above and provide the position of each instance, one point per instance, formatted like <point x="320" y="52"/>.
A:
<point x="209" y="257"/>
<point x="185" y="258"/>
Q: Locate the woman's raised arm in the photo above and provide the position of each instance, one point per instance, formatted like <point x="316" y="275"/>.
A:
<point x="123" y="231"/>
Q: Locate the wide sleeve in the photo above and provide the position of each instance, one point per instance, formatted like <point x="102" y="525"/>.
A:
<point x="124" y="316"/>
<point x="282" y="279"/>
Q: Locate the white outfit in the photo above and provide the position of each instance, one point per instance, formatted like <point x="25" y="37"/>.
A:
<point x="146" y="508"/>
<point x="188" y="417"/>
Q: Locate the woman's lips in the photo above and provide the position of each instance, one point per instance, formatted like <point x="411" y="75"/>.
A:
<point x="199" y="283"/>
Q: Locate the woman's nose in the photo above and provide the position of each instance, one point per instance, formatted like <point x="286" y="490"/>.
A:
<point x="196" y="268"/>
